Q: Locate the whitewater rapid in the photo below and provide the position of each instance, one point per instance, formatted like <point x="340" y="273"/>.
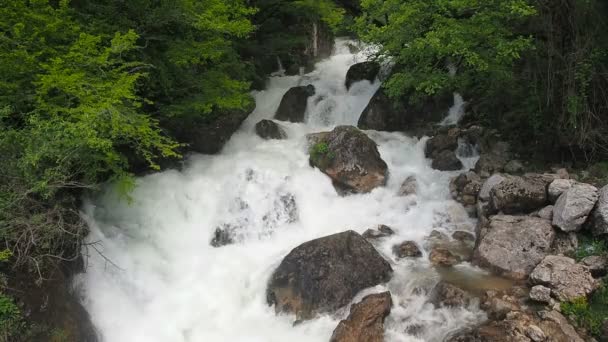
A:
<point x="152" y="275"/>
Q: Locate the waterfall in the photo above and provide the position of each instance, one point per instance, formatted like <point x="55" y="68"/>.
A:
<point x="152" y="275"/>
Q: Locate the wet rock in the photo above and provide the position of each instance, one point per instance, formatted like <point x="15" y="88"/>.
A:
<point x="382" y="115"/>
<point x="293" y="105"/>
<point x="514" y="167"/>
<point x="498" y="304"/>
<point x="573" y="207"/>
<point x="351" y="159"/>
<point x="514" y="195"/>
<point x="446" y="294"/>
<point x="223" y="236"/>
<point x="546" y="213"/>
<point x="597" y="264"/>
<point x="565" y="243"/>
<point x="464" y="189"/>
<point x="443" y="257"/>
<point x="362" y="71"/>
<point x="461" y="235"/>
<point x="315" y="138"/>
<point x="268" y="129"/>
<point x="447" y="140"/>
<point x="408" y="187"/>
<point x="446" y="160"/>
<point x="365" y="323"/>
<point x="493" y="158"/>
<point x="541" y="294"/>
<point x="381" y="232"/>
<point x="558" y="187"/>
<point x="513" y="245"/>
<point x="488" y="185"/>
<point x="325" y="274"/>
<point x="566" y="279"/>
<point x="407" y="249"/>
<point x="600" y="213"/>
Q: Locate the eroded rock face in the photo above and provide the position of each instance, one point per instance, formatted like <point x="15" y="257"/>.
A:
<point x="514" y="195"/>
<point x="566" y="279"/>
<point x="365" y="323"/>
<point x="600" y="213"/>
<point x="325" y="274"/>
<point x="362" y="71"/>
<point x="293" y="105"/>
<point x="513" y="245"/>
<point x="407" y="249"/>
<point x="268" y="129"/>
<point x="574" y="206"/>
<point x="351" y="159"/>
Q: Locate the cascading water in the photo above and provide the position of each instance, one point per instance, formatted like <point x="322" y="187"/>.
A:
<point x="157" y="278"/>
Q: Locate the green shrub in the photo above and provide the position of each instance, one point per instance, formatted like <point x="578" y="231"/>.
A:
<point x="589" y="314"/>
<point x="11" y="321"/>
<point x="320" y="154"/>
<point x="589" y="246"/>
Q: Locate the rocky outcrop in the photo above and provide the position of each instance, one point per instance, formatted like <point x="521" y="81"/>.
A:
<point x="515" y="195"/>
<point x="351" y="159"/>
<point x="446" y="160"/>
<point x="407" y="249"/>
<point x="268" y="129"/>
<point x="600" y="213"/>
<point x="362" y="71"/>
<point x="408" y="187"/>
<point x="513" y="245"/>
<point x="446" y="294"/>
<point x="325" y="274"/>
<point x="566" y="279"/>
<point x="365" y="323"/>
<point x="573" y="207"/>
<point x="381" y="232"/>
<point x="464" y="189"/>
<point x="293" y="105"/>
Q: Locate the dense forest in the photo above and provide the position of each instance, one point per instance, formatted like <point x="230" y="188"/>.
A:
<point x="98" y="91"/>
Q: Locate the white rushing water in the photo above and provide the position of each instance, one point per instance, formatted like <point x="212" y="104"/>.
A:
<point x="158" y="279"/>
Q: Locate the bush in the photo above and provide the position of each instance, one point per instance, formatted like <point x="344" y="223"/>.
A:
<point x="589" y="314"/>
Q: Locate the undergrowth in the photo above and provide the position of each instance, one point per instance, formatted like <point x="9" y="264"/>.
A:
<point x="589" y="313"/>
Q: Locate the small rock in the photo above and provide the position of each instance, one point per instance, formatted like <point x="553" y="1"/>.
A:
<point x="446" y="294"/>
<point x="222" y="236"/>
<point x="598" y="265"/>
<point x="362" y="71"/>
<point x="407" y="249"/>
<point x="566" y="279"/>
<point x="408" y="187"/>
<point x="541" y="294"/>
<point x="268" y="129"/>
<point x="514" y="167"/>
<point x="535" y="333"/>
<point x="293" y="105"/>
<point x="461" y="235"/>
<point x="446" y="160"/>
<point x="573" y="207"/>
<point x="381" y="232"/>
<point x="488" y="185"/>
<point x="365" y="323"/>
<point x="558" y="187"/>
<point x="447" y="140"/>
<point x="600" y="213"/>
<point x="546" y="213"/>
<point x="442" y="257"/>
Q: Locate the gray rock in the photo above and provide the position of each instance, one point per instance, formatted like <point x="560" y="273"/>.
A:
<point x="445" y="140"/>
<point x="515" y="195"/>
<point x="598" y="265"/>
<point x="535" y="333"/>
<point x="600" y="213"/>
<point x="443" y="257"/>
<point x="565" y="243"/>
<point x="558" y="187"/>
<point x="461" y="235"/>
<point x="293" y="105"/>
<point x="566" y="279"/>
<point x="493" y="158"/>
<point x="558" y="327"/>
<point x="408" y="187"/>
<point x="381" y="232"/>
<point x="446" y="294"/>
<point x="573" y="207"/>
<point x="446" y="160"/>
<point x="546" y="213"/>
<point x="325" y="274"/>
<point x="268" y="129"/>
<point x="351" y="159"/>
<point x="488" y="185"/>
<point x="514" y="245"/>
<point x="465" y="187"/>
<point x="541" y="294"/>
<point x="514" y="167"/>
<point x="362" y="71"/>
<point x="407" y="249"/>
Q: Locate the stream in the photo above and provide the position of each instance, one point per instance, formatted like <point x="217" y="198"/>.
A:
<point x="152" y="274"/>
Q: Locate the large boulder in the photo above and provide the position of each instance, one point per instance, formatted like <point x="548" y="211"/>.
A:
<point x="443" y="140"/>
<point x="494" y="155"/>
<point x="365" y="323"/>
<point x="268" y="129"/>
<point x="573" y="207"/>
<point x="600" y="213"/>
<point x="351" y="159"/>
<point x="515" y="195"/>
<point x="558" y="187"/>
<point x="362" y="71"/>
<point x="293" y="105"/>
<point x="446" y="160"/>
<point x="325" y="274"/>
<point x="513" y="245"/>
<point x="566" y="279"/>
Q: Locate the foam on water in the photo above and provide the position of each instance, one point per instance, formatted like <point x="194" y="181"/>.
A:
<point x="157" y="278"/>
